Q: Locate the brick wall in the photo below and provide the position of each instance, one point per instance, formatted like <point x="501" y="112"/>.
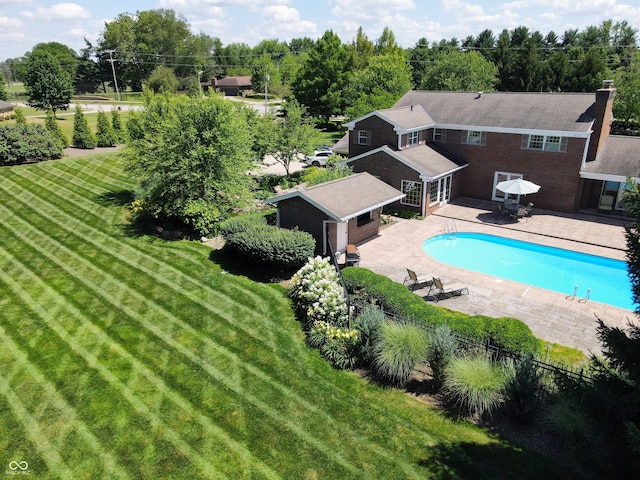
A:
<point x="295" y="212"/>
<point x="359" y="234"/>
<point x="381" y="134"/>
<point x="557" y="173"/>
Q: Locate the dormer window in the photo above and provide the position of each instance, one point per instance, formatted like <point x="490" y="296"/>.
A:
<point x="413" y="138"/>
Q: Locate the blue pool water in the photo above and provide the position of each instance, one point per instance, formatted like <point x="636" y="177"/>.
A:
<point x="545" y="267"/>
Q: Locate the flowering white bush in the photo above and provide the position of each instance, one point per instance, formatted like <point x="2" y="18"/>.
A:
<point x="317" y="291"/>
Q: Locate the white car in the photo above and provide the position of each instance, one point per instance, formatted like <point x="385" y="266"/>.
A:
<point x="319" y="158"/>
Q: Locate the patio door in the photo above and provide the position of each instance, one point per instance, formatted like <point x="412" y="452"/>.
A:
<point x="501" y="177"/>
<point x="440" y="190"/>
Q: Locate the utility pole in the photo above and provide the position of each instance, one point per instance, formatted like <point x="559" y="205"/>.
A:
<point x="113" y="69"/>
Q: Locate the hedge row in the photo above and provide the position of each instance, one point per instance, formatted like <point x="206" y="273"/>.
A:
<point x="504" y="332"/>
<point x="251" y="238"/>
<point x="26" y="143"/>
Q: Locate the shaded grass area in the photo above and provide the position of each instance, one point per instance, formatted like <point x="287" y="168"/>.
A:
<point x="131" y="357"/>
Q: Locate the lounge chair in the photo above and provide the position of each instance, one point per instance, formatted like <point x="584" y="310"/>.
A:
<point x="606" y="204"/>
<point x="414" y="282"/>
<point x="453" y="289"/>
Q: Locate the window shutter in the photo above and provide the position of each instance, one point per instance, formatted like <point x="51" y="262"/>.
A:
<point x="524" y="145"/>
<point x="369" y="137"/>
<point x="354" y="136"/>
<point x="563" y="144"/>
<point x="483" y="138"/>
<point x="463" y="139"/>
<point x="443" y="136"/>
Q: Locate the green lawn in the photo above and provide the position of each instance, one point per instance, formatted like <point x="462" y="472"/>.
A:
<point x="125" y="356"/>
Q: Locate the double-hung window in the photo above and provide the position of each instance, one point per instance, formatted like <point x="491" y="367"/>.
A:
<point x="474" y="137"/>
<point x="544" y="143"/>
<point x="364" y="137"/>
<point x="413" y="192"/>
<point x="439" y="135"/>
<point x="413" y="137"/>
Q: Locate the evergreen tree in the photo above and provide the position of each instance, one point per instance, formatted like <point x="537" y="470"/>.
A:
<point x="82" y="136"/>
<point x="105" y="137"/>
<point x="51" y="124"/>
<point x="118" y="127"/>
<point x="4" y="93"/>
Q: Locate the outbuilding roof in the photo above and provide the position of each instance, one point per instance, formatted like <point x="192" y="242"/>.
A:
<point x="346" y="197"/>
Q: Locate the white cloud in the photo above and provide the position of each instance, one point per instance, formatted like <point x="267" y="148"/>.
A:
<point x="9" y="23"/>
<point x="281" y="13"/>
<point x="59" y="11"/>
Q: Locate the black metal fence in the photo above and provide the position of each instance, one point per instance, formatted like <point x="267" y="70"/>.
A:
<point x="494" y="351"/>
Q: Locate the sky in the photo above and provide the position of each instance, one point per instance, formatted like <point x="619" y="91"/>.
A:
<point x="25" y="23"/>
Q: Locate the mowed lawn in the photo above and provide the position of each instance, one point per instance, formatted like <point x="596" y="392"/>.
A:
<point x="126" y="356"/>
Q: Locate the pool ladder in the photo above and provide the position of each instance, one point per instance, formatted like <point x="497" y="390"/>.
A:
<point x="575" y="292"/>
<point x="450" y="228"/>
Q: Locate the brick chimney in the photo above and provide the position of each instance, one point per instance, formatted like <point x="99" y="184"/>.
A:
<point x="602" y="110"/>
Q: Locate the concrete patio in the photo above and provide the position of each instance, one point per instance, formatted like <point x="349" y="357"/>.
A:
<point x="554" y="317"/>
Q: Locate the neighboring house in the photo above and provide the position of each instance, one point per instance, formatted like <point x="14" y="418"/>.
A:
<point x="231" y="86"/>
<point x="435" y="146"/>
<point x="344" y="211"/>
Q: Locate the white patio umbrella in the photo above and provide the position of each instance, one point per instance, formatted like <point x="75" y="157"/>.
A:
<point x="517" y="186"/>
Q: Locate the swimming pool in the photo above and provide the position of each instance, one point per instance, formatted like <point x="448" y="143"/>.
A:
<point x="538" y="265"/>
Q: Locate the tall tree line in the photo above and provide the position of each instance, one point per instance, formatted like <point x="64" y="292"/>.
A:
<point x="330" y="77"/>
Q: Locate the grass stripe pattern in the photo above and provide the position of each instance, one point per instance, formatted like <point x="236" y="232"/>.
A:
<point x="126" y="356"/>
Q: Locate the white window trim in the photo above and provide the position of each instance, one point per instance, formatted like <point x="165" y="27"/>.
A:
<point x="363" y="137"/>
<point x="438" y="134"/>
<point x="561" y="143"/>
<point x="411" y="184"/>
<point x="474" y="137"/>
<point x="413" y="138"/>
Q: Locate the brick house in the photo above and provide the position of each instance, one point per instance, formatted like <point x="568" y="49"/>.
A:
<point x="231" y="86"/>
<point x="434" y="146"/>
<point x="343" y="211"/>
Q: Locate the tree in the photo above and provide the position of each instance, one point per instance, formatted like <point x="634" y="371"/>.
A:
<point x="361" y="50"/>
<point x="162" y="80"/>
<point x="51" y="124"/>
<point x="323" y="76"/>
<point x="105" y="136"/>
<point x="118" y="127"/>
<point x="191" y="156"/>
<point x="47" y="83"/>
<point x="289" y="135"/>
<point x="632" y="202"/>
<point x="4" y="93"/>
<point x="460" y="71"/>
<point x="386" y="44"/>
<point x="378" y="86"/>
<point x="82" y="136"/>
<point x="626" y="105"/>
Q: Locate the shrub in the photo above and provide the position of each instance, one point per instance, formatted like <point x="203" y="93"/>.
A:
<point x="241" y="223"/>
<point x="474" y="384"/>
<point x="315" y="176"/>
<point x="442" y="348"/>
<point x="271" y="246"/>
<point x="18" y="116"/>
<point x="367" y="323"/>
<point x="201" y="216"/>
<point x="368" y="287"/>
<point x="569" y="422"/>
<point x="525" y="390"/>
<point x="318" y="294"/>
<point x="51" y="124"/>
<point x="398" y="348"/>
<point x="105" y="136"/>
<point x="118" y="127"/>
<point x="337" y="344"/>
<point x="82" y="136"/>
<point x="27" y="142"/>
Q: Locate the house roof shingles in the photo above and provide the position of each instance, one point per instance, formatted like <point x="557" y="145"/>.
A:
<point x="242" y="81"/>
<point x="619" y="157"/>
<point x="509" y="110"/>
<point x="346" y="197"/>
